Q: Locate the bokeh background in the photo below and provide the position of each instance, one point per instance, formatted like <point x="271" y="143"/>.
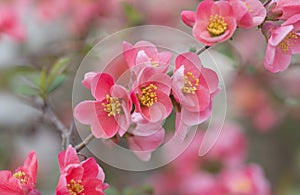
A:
<point x="263" y="118"/>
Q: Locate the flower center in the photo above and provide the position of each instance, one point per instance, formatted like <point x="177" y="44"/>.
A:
<point x="22" y="177"/>
<point x="148" y="97"/>
<point x="288" y="41"/>
<point x="153" y="62"/>
<point x="190" y="83"/>
<point x="75" y="188"/>
<point x="216" y="25"/>
<point x="112" y="106"/>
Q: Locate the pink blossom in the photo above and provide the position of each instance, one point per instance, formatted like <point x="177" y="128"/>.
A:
<point x="145" y="137"/>
<point x="10" y="23"/>
<point x="284" y="9"/>
<point x="246" y="181"/>
<point x="193" y="88"/>
<point x="23" y="180"/>
<point x="144" y="145"/>
<point x="214" y="21"/>
<point x="77" y="177"/>
<point x="110" y="112"/>
<point x="188" y="17"/>
<point x="248" y="13"/>
<point x="150" y="95"/>
<point x="282" y="43"/>
<point x="145" y="54"/>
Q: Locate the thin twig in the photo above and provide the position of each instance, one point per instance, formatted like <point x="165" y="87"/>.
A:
<point x="85" y="142"/>
<point x="266" y="3"/>
<point x="65" y="133"/>
<point x="202" y="50"/>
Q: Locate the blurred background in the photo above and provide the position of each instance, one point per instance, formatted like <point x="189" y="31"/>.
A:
<point x="42" y="43"/>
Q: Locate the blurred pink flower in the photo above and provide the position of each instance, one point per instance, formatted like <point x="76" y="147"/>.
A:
<point x="10" y="23"/>
<point x="193" y="88"/>
<point x="251" y="100"/>
<point x="248" y="13"/>
<point x="50" y="10"/>
<point x="150" y="95"/>
<point x="110" y="112"/>
<point x="145" y="54"/>
<point x="230" y="148"/>
<point x="77" y="177"/>
<point x="284" y="9"/>
<point x="246" y="181"/>
<point x="214" y="22"/>
<point x="23" y="180"/>
<point x="200" y="183"/>
<point x="282" y="43"/>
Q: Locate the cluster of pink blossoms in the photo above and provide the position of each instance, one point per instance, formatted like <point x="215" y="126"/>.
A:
<point x="221" y="171"/>
<point x="76" y="177"/>
<point x="216" y="21"/>
<point x="77" y="14"/>
<point x="138" y="111"/>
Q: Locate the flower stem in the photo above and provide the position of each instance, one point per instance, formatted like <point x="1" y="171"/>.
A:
<point x="86" y="141"/>
<point x="200" y="51"/>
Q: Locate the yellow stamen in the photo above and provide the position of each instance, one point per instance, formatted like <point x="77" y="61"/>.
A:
<point x="154" y="63"/>
<point x="190" y="83"/>
<point x="288" y="41"/>
<point x="148" y="97"/>
<point x="112" y="106"/>
<point x="75" y="188"/>
<point x="248" y="7"/>
<point x="216" y="25"/>
<point x="22" y="177"/>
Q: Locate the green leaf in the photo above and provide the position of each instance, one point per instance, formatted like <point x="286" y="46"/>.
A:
<point x="27" y="90"/>
<point x="57" y="69"/>
<point x="56" y="83"/>
<point x="112" y="191"/>
<point x="133" y="15"/>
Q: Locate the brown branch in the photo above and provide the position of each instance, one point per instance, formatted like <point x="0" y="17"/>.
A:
<point x="85" y="142"/>
<point x="200" y="51"/>
<point x="65" y="132"/>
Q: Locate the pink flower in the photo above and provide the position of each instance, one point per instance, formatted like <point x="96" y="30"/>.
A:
<point x="10" y="23"/>
<point x="188" y="17"/>
<point x="143" y="146"/>
<point x="145" y="54"/>
<point x="284" y="9"/>
<point x="193" y="88"/>
<point x="246" y="181"/>
<point x="110" y="112"/>
<point x="23" y="180"/>
<point x="77" y="177"/>
<point x="214" y="21"/>
<point x="248" y="13"/>
<point x="150" y="95"/>
<point x="282" y="43"/>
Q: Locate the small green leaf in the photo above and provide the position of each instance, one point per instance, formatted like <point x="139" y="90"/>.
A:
<point x="56" y="83"/>
<point x="133" y="15"/>
<point x="27" y="90"/>
<point x="112" y="191"/>
<point x="57" y="69"/>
